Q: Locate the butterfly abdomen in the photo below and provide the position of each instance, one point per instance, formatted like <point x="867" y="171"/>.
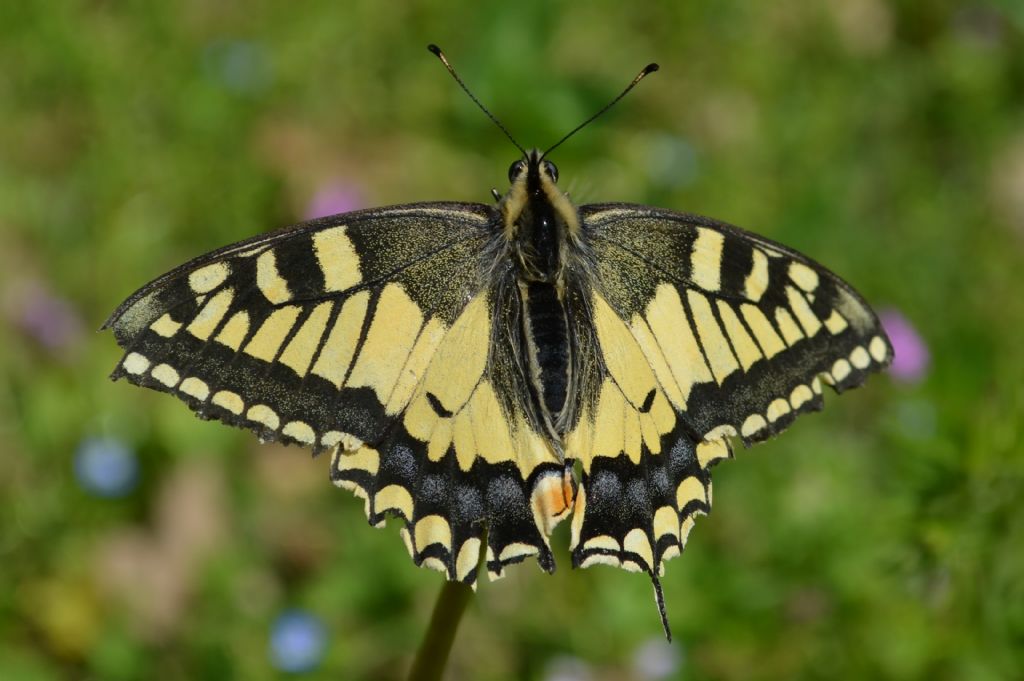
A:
<point x="547" y="343"/>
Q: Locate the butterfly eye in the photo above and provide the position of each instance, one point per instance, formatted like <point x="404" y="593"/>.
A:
<point x="551" y="170"/>
<point x="516" y="169"/>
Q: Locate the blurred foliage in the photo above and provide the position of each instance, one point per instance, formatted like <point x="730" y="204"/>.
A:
<point x="881" y="539"/>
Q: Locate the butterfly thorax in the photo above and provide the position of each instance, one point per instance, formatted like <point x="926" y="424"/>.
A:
<point x="542" y="227"/>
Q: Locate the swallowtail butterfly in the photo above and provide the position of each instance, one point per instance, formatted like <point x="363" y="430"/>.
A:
<point x="484" y="372"/>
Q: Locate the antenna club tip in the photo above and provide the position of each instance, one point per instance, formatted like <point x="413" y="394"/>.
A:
<point x="650" y="68"/>
<point x="434" y="49"/>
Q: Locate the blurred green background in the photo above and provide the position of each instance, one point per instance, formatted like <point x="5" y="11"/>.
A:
<point x="882" y="539"/>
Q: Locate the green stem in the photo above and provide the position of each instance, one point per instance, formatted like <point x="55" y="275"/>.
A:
<point x="432" y="657"/>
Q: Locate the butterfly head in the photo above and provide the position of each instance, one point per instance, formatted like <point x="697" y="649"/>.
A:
<point x="538" y="220"/>
<point x="533" y="168"/>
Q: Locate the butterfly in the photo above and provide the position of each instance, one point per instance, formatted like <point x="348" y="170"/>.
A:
<point x="484" y="372"/>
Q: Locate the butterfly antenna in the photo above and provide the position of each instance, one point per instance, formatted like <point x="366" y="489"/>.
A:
<point x="647" y="70"/>
<point x="444" y="60"/>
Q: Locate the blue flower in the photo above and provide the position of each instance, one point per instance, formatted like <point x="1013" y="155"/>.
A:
<point x="297" y="641"/>
<point x="241" y="67"/>
<point x="106" y="467"/>
<point x="657" y="659"/>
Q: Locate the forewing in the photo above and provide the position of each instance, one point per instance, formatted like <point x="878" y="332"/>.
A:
<point x="305" y="335"/>
<point x="369" y="333"/>
<point x="748" y="328"/>
<point x="705" y="331"/>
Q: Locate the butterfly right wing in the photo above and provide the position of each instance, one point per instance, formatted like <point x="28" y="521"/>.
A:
<point x="704" y="332"/>
<point x="741" y="330"/>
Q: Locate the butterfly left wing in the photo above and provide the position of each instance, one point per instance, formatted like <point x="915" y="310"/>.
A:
<point x="705" y="331"/>
<point x="369" y="334"/>
<point x="301" y="335"/>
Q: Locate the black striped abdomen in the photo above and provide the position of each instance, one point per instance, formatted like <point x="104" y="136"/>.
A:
<point x="547" y="342"/>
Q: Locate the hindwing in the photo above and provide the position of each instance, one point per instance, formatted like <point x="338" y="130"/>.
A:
<point x="704" y="331"/>
<point x="467" y="456"/>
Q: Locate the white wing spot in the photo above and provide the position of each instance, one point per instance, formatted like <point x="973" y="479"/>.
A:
<point x="800" y="395"/>
<point x="166" y="374"/>
<point x="229" y="400"/>
<point x="135" y="364"/>
<point x="777" y="409"/>
<point x="300" y="432"/>
<point x="263" y="414"/>
<point x="752" y="425"/>
<point x="878" y="349"/>
<point x="860" y="357"/>
<point x="840" y="370"/>
<point x="195" y="387"/>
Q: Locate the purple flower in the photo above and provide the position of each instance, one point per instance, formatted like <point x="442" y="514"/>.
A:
<point x="297" y="641"/>
<point x="47" y="318"/>
<point x="333" y="198"/>
<point x="911" y="358"/>
<point x="106" y="467"/>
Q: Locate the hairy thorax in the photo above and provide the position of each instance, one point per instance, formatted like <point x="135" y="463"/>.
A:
<point x="541" y="227"/>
